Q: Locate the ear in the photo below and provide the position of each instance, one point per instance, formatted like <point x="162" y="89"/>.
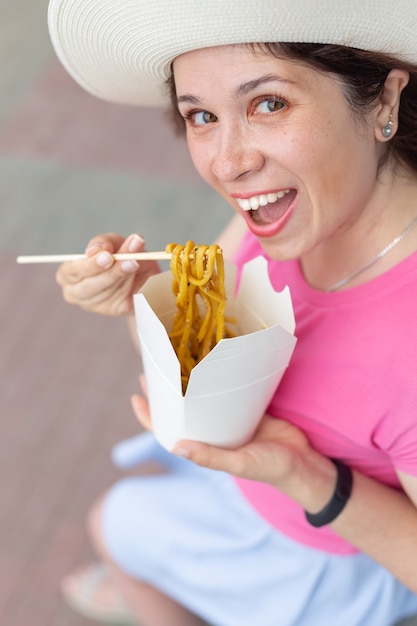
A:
<point x="387" y="113"/>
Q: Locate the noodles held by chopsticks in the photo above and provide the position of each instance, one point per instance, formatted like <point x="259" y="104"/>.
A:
<point x="198" y="286"/>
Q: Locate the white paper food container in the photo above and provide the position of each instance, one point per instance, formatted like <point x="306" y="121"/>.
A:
<point x="230" y="389"/>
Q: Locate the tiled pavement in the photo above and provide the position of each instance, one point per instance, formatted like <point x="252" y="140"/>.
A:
<point x="70" y="167"/>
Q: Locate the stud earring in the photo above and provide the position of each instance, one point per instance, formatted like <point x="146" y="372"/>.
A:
<point x="387" y="129"/>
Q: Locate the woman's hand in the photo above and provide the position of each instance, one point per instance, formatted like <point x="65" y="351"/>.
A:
<point x="99" y="283"/>
<point x="273" y="455"/>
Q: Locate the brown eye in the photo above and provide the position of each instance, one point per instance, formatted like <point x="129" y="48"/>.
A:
<point x="199" y="118"/>
<point x="204" y="117"/>
<point x="275" y="105"/>
<point x="270" y="105"/>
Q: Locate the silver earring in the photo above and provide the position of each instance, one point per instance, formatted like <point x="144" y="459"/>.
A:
<point x="387" y="129"/>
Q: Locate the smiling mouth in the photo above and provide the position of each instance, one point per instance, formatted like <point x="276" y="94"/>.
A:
<point x="268" y="208"/>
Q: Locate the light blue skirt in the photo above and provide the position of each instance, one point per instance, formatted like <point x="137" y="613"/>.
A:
<point x="191" y="534"/>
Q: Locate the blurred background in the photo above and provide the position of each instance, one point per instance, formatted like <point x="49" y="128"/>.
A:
<point x="71" y="167"/>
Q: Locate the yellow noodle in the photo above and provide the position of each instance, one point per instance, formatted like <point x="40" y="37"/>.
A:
<point x="200" y="298"/>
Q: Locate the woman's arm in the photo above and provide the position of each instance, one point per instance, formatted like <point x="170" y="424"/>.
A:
<point x="379" y="520"/>
<point x="382" y="522"/>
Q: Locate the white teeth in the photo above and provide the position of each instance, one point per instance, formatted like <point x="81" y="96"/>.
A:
<point x="244" y="204"/>
<point x="253" y="203"/>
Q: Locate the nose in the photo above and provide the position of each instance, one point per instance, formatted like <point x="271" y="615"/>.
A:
<point x="236" y="154"/>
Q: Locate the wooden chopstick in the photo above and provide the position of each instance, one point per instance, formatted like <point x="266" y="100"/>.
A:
<point x="62" y="258"/>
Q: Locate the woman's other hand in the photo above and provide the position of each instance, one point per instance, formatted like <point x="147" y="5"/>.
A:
<point x="278" y="454"/>
<point x="270" y="456"/>
<point x="99" y="283"/>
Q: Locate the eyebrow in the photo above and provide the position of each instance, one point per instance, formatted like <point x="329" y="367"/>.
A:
<point x="251" y="85"/>
<point x="243" y="89"/>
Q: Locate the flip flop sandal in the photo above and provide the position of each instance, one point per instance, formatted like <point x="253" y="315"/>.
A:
<point x="82" y="599"/>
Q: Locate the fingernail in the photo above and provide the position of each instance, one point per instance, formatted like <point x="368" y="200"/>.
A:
<point x="129" y="266"/>
<point x="91" y="250"/>
<point x="136" y="243"/>
<point x="104" y="259"/>
<point x="183" y="452"/>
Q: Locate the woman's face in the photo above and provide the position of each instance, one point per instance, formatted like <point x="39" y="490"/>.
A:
<point x="278" y="138"/>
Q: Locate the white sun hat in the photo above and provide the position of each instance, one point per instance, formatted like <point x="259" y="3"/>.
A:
<point x="122" y="50"/>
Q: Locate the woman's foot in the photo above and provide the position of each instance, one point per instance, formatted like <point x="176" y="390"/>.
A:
<point x="91" y="592"/>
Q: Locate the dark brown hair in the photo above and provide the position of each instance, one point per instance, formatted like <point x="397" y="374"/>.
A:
<point x="362" y="75"/>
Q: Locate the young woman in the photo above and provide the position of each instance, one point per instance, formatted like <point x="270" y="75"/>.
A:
<point x="313" y="141"/>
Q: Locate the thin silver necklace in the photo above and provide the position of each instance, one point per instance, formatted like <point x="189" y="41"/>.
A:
<point x="376" y="258"/>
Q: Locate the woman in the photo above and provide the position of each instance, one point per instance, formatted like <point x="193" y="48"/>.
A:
<point x="314" y="145"/>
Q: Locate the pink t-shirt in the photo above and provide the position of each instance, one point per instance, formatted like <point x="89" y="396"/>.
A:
<point x="351" y="385"/>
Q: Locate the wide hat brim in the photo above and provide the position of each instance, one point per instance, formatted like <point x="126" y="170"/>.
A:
<point x="122" y="50"/>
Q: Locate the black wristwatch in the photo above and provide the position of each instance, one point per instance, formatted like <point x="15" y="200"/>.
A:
<point x="338" y="500"/>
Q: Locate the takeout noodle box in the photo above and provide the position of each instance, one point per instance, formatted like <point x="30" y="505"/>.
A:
<point x="230" y="389"/>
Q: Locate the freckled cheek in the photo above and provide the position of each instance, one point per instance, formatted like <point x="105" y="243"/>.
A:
<point x="296" y="156"/>
<point x="323" y="160"/>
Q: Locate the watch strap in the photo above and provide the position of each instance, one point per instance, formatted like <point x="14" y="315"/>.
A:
<point x="338" y="500"/>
